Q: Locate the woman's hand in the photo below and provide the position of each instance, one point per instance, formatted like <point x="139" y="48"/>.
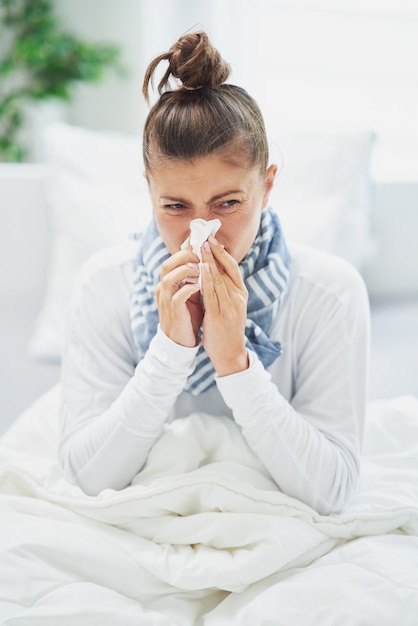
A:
<point x="225" y="299"/>
<point x="179" y="307"/>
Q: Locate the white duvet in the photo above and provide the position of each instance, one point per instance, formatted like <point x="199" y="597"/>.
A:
<point x="204" y="537"/>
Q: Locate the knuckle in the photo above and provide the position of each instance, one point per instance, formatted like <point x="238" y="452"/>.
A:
<point x="165" y="266"/>
<point x="165" y="281"/>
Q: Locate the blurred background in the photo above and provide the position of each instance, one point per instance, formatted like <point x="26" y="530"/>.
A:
<point x="337" y="82"/>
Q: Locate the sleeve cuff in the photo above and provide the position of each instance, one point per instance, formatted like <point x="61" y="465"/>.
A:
<point x="168" y="353"/>
<point x="240" y="388"/>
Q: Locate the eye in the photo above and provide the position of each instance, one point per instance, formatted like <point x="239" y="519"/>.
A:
<point x="174" y="207"/>
<point x="228" y="206"/>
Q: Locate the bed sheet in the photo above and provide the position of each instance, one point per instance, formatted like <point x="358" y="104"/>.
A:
<point x="204" y="537"/>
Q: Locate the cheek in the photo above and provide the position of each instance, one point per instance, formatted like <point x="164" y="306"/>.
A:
<point x="173" y="231"/>
<point x="238" y="237"/>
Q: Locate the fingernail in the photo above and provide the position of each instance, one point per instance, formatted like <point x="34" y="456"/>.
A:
<point x="214" y="241"/>
<point x="194" y="266"/>
<point x="205" y="267"/>
<point x="206" y="246"/>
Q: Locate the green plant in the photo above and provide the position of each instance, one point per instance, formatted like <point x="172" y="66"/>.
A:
<point x="42" y="62"/>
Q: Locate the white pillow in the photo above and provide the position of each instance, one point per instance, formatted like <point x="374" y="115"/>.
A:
<point x="323" y="192"/>
<point x="97" y="196"/>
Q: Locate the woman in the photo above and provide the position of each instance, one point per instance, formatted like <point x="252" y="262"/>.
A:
<point x="276" y="340"/>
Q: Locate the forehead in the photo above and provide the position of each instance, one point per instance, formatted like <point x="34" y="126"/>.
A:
<point x="206" y="169"/>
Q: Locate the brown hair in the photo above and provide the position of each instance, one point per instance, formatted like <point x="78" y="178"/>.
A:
<point x="203" y="115"/>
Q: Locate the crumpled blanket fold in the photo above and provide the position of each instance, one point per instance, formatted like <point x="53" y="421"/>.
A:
<point x="202" y="520"/>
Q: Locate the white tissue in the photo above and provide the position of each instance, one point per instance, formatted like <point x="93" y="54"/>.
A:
<point x="200" y="230"/>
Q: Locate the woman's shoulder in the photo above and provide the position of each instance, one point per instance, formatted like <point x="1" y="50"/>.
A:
<point x="100" y="297"/>
<point x="104" y="281"/>
<point x="112" y="262"/>
<point x="320" y="274"/>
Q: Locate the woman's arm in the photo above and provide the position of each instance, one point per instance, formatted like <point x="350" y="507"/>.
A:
<point x="311" y="445"/>
<point x="113" y="412"/>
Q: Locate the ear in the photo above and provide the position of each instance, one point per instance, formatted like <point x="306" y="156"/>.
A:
<point x="269" y="179"/>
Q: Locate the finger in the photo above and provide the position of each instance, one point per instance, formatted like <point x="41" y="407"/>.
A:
<point x="174" y="302"/>
<point x="226" y="261"/>
<point x="185" y="293"/>
<point x="172" y="281"/>
<point x="219" y="280"/>
<point x="175" y="318"/>
<point x="182" y="257"/>
<point x="214" y="289"/>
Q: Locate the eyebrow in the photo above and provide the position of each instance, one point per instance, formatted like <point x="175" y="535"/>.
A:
<point x="213" y="199"/>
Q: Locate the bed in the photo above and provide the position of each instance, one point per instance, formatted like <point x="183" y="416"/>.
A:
<point x="202" y="536"/>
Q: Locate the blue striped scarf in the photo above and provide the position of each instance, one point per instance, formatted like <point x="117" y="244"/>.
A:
<point x="265" y="270"/>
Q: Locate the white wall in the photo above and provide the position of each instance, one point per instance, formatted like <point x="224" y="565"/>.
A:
<point x="311" y="64"/>
<point x="143" y="29"/>
<point x="338" y="65"/>
<point x="114" y="103"/>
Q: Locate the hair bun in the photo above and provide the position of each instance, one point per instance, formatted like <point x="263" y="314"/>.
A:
<point x="196" y="63"/>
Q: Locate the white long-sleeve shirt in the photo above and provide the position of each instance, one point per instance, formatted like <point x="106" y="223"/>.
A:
<point x="303" y="416"/>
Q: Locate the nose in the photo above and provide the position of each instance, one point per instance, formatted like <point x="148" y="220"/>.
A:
<point x="202" y="212"/>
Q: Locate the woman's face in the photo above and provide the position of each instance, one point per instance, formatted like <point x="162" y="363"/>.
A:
<point x="210" y="187"/>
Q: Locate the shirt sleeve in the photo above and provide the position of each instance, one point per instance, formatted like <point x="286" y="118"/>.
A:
<point x="113" y="412"/>
<point x="311" y="445"/>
